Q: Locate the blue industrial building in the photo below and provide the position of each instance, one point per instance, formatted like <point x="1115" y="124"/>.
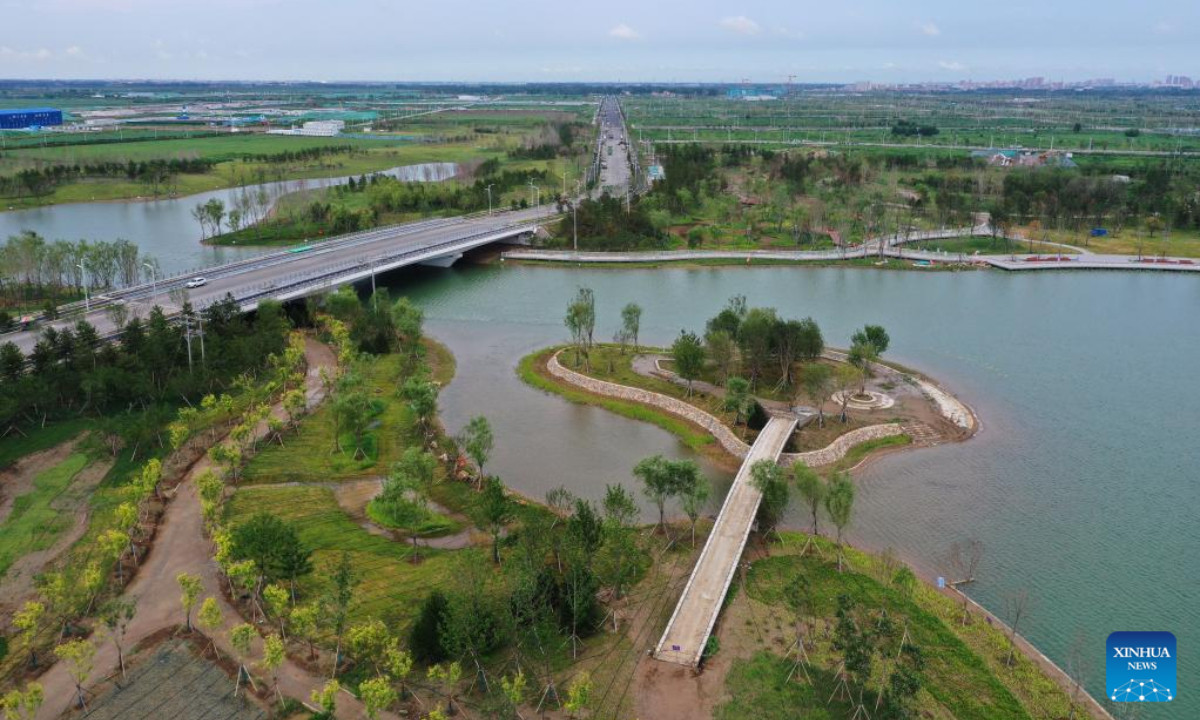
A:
<point x="29" y="117"/>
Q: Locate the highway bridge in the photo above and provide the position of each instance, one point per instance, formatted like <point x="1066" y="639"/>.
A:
<point x="694" y="617"/>
<point x="307" y="270"/>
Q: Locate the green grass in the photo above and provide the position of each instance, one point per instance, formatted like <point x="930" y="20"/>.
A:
<point x="762" y="683"/>
<point x="35" y="523"/>
<point x="859" y="452"/>
<point x="310" y="454"/>
<point x="965" y="675"/>
<point x="16" y="446"/>
<point x="985" y="246"/>
<point x="528" y="371"/>
<point x="391" y="587"/>
<point x="433" y="524"/>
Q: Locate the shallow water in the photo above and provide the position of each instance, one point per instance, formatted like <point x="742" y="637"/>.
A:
<point x="1082" y="484"/>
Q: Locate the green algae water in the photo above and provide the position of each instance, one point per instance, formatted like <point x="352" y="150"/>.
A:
<point x="1082" y="483"/>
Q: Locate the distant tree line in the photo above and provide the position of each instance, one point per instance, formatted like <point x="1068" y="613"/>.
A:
<point x="33" y="269"/>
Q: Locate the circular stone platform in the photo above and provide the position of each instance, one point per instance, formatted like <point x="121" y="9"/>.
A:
<point x="877" y="401"/>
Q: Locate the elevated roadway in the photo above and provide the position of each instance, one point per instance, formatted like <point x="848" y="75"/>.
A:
<point x="299" y="272"/>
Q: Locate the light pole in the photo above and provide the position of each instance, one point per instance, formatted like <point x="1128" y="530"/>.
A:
<point x="489" y="192"/>
<point x="564" y="177"/>
<point x="538" y="191"/>
<point x="87" y="302"/>
<point x="153" y="281"/>
<point x="575" y="223"/>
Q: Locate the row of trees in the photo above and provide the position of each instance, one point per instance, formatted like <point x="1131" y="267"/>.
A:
<point x="71" y="372"/>
<point x="158" y="174"/>
<point x="32" y="268"/>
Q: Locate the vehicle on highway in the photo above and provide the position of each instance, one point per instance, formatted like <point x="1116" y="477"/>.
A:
<point x="197" y="282"/>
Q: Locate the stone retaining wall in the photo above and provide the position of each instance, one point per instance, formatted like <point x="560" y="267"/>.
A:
<point x="837" y="449"/>
<point x="732" y="443"/>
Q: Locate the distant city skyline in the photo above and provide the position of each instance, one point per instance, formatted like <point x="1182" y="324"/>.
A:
<point x="703" y="41"/>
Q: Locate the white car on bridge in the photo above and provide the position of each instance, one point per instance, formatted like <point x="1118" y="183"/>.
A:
<point x="197" y="282"/>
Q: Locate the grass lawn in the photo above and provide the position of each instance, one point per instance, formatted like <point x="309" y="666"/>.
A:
<point x="531" y="370"/>
<point x="16" y="446"/>
<point x="1181" y="243"/>
<point x="35" y="523"/>
<point x="985" y="246"/>
<point x="391" y="586"/>
<point x="964" y="676"/>
<point x="310" y="454"/>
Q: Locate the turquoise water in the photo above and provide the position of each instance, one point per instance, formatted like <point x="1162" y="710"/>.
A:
<point x="1082" y="484"/>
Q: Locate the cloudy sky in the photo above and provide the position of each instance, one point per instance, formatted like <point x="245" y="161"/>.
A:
<point x="619" y="40"/>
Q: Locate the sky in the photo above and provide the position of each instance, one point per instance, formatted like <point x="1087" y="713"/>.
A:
<point x="616" y="40"/>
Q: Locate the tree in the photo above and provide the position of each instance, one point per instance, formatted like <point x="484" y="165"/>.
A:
<point x="337" y="600"/>
<point x="189" y="586"/>
<point x="407" y="319"/>
<point x="274" y="653"/>
<point x="210" y="619"/>
<point x="845" y="377"/>
<point x="421" y="396"/>
<point x="326" y="698"/>
<point x="476" y="438"/>
<point x="811" y="488"/>
<point x="873" y="335"/>
<point x="447" y="679"/>
<point x="755" y="337"/>
<point x="353" y="409"/>
<point x="79" y="656"/>
<point x="767" y="477"/>
<point x="240" y="638"/>
<point x="28" y="622"/>
<point x="303" y="621"/>
<point x="631" y="323"/>
<point x="581" y="321"/>
<point x="816" y="384"/>
<point x="964" y="558"/>
<point x="277" y="600"/>
<point x="839" y="503"/>
<point x="273" y="546"/>
<point x="688" y="353"/>
<point x="694" y="497"/>
<point x="861" y="356"/>
<point x="619" y="507"/>
<point x="23" y="705"/>
<point x="377" y="695"/>
<point x="663" y="479"/>
<point x="116" y="615"/>
<point x="1016" y="606"/>
<point x="722" y="350"/>
<point x="513" y="689"/>
<point x="738" y="399"/>
<point x="369" y="643"/>
<point x="579" y="695"/>
<point x="495" y="511"/>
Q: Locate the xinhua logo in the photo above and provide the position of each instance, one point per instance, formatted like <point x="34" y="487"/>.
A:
<point x="1141" y="667"/>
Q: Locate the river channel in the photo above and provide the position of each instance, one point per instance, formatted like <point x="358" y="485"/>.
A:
<point x="165" y="228"/>
<point x="1082" y="483"/>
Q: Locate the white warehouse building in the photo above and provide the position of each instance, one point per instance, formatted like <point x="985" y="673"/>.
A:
<point x="314" y="128"/>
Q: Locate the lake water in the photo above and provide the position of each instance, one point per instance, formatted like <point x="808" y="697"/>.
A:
<point x="1082" y="484"/>
<point x="165" y="229"/>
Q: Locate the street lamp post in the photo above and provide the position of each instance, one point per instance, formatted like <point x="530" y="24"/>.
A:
<point x="489" y="192"/>
<point x="87" y="302"/>
<point x="538" y="191"/>
<point x="575" y="223"/>
<point x="153" y="281"/>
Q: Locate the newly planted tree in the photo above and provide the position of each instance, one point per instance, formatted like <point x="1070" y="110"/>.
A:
<point x="189" y="586"/>
<point x="839" y="503"/>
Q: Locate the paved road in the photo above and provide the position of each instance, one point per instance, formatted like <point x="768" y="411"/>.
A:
<point x="688" y="630"/>
<point x="288" y="274"/>
<point x="615" y="172"/>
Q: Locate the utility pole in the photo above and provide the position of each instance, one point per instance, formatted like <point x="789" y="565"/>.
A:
<point x="489" y="192"/>
<point x="575" y="223"/>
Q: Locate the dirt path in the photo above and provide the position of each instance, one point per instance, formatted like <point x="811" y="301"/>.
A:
<point x="17" y="479"/>
<point x="17" y="585"/>
<point x="180" y="547"/>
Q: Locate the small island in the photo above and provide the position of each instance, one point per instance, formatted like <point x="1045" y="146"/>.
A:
<point x="716" y="391"/>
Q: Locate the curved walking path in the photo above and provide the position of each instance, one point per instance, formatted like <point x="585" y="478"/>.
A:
<point x="731" y="442"/>
<point x="180" y="546"/>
